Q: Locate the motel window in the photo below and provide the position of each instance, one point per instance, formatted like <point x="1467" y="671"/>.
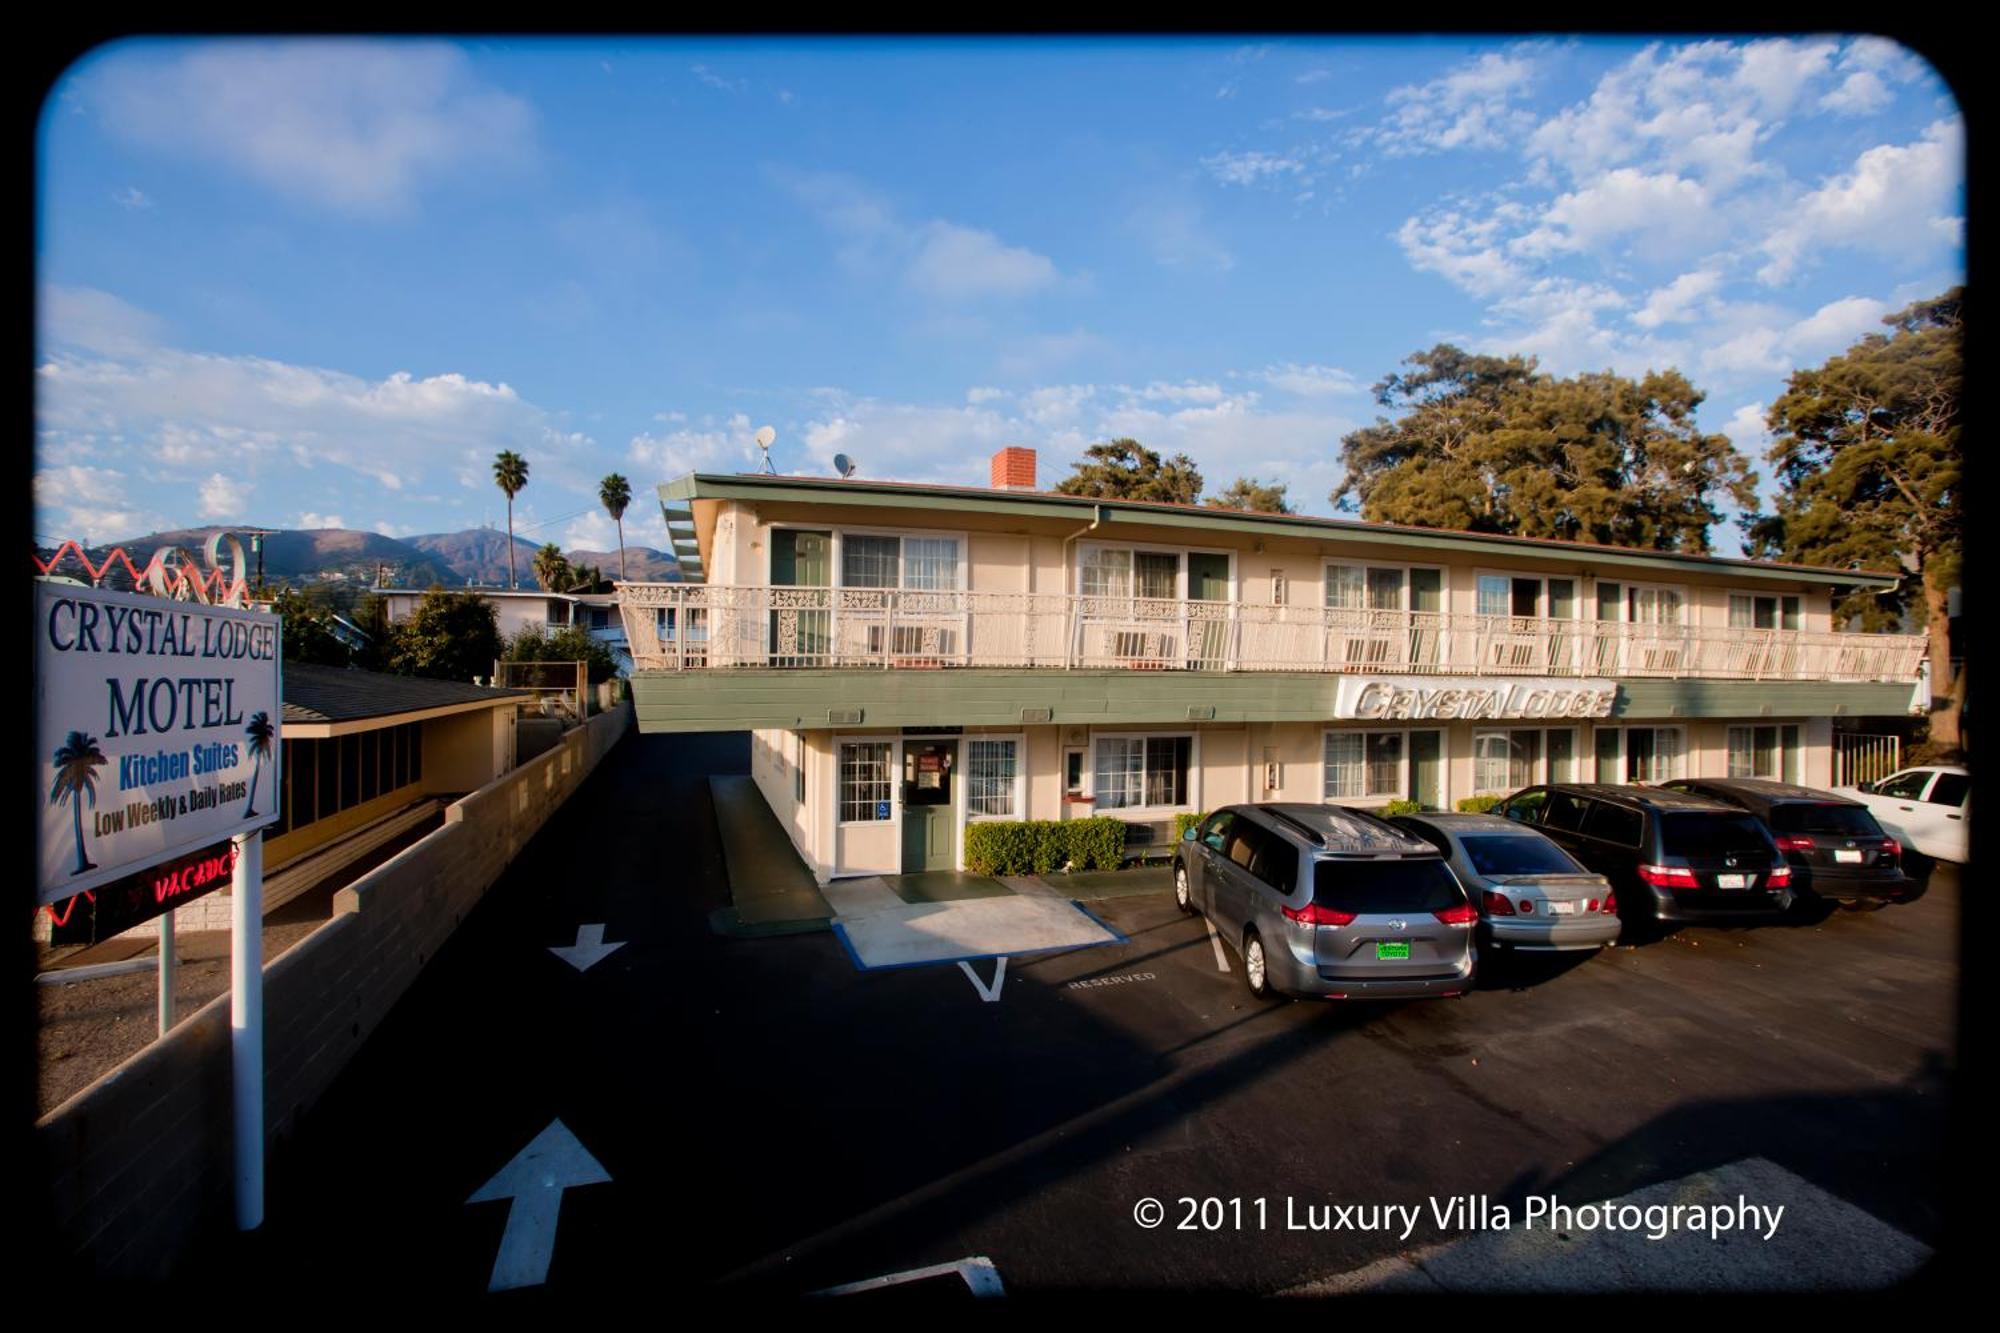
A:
<point x="922" y="564"/>
<point x="991" y="769"/>
<point x="1525" y="597"/>
<point x="1751" y="612"/>
<point x="1117" y="571"/>
<point x="1640" y="604"/>
<point x="799" y="767"/>
<point x="1363" y="764"/>
<point x="1132" y="772"/>
<point x="1764" y="752"/>
<point x="1504" y="761"/>
<point x="865" y="791"/>
<point x="1640" y="754"/>
<point x="1383" y="588"/>
<point x="1278" y="588"/>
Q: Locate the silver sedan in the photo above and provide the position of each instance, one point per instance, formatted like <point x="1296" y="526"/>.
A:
<point x="1531" y="894"/>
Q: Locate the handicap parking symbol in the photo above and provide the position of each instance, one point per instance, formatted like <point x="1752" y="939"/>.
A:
<point x="881" y="809"/>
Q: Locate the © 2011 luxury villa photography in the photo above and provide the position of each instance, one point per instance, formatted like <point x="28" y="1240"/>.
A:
<point x="915" y="669"/>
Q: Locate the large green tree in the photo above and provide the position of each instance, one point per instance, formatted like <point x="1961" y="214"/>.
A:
<point x="450" y="636"/>
<point x="1493" y="444"/>
<point x="510" y="474"/>
<point x="1249" y="493"/>
<point x="568" y="643"/>
<point x="309" y="635"/>
<point x="1870" y="477"/>
<point x="552" y="568"/>
<point x="1125" y="469"/>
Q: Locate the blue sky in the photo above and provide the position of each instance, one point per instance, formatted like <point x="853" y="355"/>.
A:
<point x="321" y="283"/>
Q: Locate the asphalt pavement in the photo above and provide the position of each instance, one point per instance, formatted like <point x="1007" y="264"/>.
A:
<point x="774" y="1122"/>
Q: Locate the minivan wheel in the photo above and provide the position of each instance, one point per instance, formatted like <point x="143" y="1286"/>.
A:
<point x="1183" y="896"/>
<point x="1255" y="971"/>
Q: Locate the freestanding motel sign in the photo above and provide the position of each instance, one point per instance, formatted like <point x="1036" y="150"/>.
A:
<point x="157" y="736"/>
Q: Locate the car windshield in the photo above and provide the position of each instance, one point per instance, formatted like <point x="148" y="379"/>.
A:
<point x="1419" y="884"/>
<point x="1849" y="821"/>
<point x="1513" y="854"/>
<point x="1703" y="834"/>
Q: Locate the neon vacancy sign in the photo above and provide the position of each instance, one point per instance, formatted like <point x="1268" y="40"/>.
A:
<point x="1402" y="698"/>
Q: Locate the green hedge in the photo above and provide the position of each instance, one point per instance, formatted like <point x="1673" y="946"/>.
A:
<point x="1395" y="808"/>
<point x="1042" y="846"/>
<point x="1479" y="805"/>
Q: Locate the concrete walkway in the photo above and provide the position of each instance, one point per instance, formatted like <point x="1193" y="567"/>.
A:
<point x="770" y="889"/>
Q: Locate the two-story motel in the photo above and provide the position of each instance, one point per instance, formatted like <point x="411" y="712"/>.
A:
<point x="909" y="658"/>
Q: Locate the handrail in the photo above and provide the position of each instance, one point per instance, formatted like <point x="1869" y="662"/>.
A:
<point x="687" y="626"/>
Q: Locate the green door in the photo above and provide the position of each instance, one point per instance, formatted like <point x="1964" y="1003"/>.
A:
<point x="801" y="635"/>
<point x="930" y="805"/>
<point x="1208" y="631"/>
<point x="1426" y="770"/>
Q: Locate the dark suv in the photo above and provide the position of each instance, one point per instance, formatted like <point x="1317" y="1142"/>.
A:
<point x="1672" y="856"/>
<point x="1837" y="850"/>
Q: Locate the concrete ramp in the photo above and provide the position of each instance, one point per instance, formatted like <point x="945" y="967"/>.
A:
<point x="970" y="928"/>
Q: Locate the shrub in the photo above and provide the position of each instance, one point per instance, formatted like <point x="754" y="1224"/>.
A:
<point x="1401" y="808"/>
<point x="1479" y="805"/>
<point x="1043" y="846"/>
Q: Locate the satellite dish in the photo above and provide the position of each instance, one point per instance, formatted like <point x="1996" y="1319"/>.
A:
<point x="764" y="437"/>
<point x="843" y="465"/>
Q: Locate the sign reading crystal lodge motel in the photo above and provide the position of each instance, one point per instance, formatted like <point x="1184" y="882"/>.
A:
<point x="157" y="736"/>
<point x="913" y="658"/>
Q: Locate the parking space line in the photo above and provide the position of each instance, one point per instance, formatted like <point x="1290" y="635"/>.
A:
<point x="1215" y="940"/>
<point x="990" y="994"/>
<point x="978" y="1273"/>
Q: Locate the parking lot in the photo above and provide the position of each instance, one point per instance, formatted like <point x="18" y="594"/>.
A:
<point x="776" y="1121"/>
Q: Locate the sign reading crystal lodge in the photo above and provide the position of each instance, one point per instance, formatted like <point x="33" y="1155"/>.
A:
<point x="1418" y="698"/>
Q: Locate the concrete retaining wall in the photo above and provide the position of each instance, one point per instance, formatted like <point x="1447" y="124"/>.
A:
<point x="137" y="1165"/>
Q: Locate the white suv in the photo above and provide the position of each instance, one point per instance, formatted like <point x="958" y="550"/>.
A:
<point x="1925" y="809"/>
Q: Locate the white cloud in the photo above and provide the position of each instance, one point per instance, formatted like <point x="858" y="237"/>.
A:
<point x="94" y="321"/>
<point x="1472" y="106"/>
<point x="223" y="497"/>
<point x="309" y="519"/>
<point x="1310" y="381"/>
<point x="132" y="198"/>
<point x="1176" y="232"/>
<point x="1467" y="251"/>
<point x="1899" y="200"/>
<point x="361" y="126"/>
<point x="1861" y="93"/>
<point x="937" y="258"/>
<point x="1664" y="213"/>
<point x="1745" y="429"/>
<point x="90" y="505"/>
<point x="1250" y="168"/>
<point x="1679" y="300"/>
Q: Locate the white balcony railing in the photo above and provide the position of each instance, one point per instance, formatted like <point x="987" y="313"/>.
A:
<point x="683" y="626"/>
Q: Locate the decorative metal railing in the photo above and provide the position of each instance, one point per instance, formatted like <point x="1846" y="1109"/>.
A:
<point x="172" y="571"/>
<point x="682" y="626"/>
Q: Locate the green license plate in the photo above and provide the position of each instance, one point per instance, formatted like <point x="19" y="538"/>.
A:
<point x="1401" y="950"/>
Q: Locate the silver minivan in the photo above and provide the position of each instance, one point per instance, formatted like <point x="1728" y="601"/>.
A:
<point x="1325" y="901"/>
<point x="1531" y="894"/>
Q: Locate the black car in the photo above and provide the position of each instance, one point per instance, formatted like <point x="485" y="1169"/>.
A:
<point x="1837" y="850"/>
<point x="1672" y="856"/>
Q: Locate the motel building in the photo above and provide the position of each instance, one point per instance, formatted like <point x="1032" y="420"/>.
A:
<point x="912" y="658"/>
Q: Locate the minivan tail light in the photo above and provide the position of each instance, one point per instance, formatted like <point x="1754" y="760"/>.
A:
<point x="1667" y="877"/>
<point x="1462" y="915"/>
<point x="1497" y="904"/>
<point x="1314" y="914"/>
<point x="1795" y="842"/>
<point x="1892" y="849"/>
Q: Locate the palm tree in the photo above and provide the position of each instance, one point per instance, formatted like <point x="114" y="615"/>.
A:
<point x="77" y="761"/>
<point x="260" y="731"/>
<point x="616" y="493"/>
<point x="552" y="570"/>
<point x="510" y="474"/>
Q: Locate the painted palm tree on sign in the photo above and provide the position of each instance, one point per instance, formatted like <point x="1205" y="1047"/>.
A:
<point x="77" y="760"/>
<point x="510" y="474"/>
<point x="616" y="493"/>
<point x="260" y="733"/>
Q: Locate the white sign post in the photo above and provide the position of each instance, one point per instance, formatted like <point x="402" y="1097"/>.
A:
<point x="157" y="729"/>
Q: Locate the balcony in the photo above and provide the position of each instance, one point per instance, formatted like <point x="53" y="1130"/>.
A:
<point x="691" y="627"/>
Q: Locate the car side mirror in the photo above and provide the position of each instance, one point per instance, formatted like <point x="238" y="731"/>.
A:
<point x="1868" y="787"/>
<point x="1187" y="834"/>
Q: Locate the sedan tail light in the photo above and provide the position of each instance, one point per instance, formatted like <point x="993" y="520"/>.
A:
<point x="1610" y="904"/>
<point x="1892" y="849"/>
<point x="1497" y="904"/>
<point x="1667" y="877"/>
<point x="1313" y="914"/>
<point x="1780" y="878"/>
<point x="1462" y="915"/>
<point x="1795" y="842"/>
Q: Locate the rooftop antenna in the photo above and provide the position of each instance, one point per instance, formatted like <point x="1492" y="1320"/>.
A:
<point x="764" y="437"/>
<point x="844" y="466"/>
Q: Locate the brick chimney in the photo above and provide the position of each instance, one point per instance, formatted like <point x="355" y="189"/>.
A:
<point x="1014" y="469"/>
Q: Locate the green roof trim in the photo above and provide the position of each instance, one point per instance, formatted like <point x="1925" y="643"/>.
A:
<point x="1043" y="504"/>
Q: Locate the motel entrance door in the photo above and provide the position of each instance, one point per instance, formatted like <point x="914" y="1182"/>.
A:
<point x="930" y="805"/>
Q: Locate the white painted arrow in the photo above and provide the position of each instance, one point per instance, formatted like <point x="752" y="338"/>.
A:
<point x="589" y="949"/>
<point x="535" y="1181"/>
<point x="990" y="994"/>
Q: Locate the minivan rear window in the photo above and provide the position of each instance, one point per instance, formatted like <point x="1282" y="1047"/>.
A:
<point x="1847" y="821"/>
<point x="1517" y="854"/>
<point x="1365" y="888"/>
<point x="1700" y="833"/>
